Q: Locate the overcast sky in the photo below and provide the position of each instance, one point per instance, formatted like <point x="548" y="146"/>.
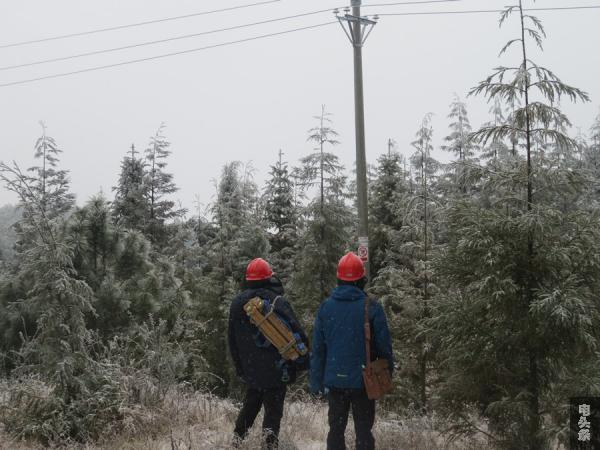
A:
<point x="246" y="101"/>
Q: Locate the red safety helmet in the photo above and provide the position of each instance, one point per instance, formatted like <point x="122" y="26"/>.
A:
<point x="258" y="269"/>
<point x="350" y="268"/>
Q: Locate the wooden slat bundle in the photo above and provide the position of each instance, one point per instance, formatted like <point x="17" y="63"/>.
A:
<point x="273" y="329"/>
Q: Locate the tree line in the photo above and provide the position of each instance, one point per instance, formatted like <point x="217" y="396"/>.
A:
<point x="488" y="268"/>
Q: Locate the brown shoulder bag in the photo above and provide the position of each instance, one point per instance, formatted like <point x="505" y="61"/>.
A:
<point x="376" y="374"/>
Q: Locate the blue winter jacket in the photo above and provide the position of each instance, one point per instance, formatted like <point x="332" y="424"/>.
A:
<point x="338" y="348"/>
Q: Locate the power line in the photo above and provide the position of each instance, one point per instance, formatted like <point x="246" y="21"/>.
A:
<point x="137" y="24"/>
<point x="123" y="63"/>
<point x="160" y="41"/>
<point x="165" y="55"/>
<point x="186" y="16"/>
<point x="410" y="3"/>
<point x="481" y="11"/>
<point x="203" y="33"/>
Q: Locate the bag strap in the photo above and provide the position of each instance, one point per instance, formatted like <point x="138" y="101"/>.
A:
<point x="266" y="316"/>
<point x="367" y="334"/>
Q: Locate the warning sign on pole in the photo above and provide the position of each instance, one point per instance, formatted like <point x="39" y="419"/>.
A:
<point x="363" y="248"/>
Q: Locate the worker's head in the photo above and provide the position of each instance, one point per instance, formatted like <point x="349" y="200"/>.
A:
<point x="351" y="270"/>
<point x="258" y="272"/>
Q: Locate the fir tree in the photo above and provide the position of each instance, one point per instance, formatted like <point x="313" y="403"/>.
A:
<point x="458" y="139"/>
<point x="280" y="208"/>
<point x="57" y="351"/>
<point x="406" y="283"/>
<point x="239" y="236"/>
<point x="459" y="143"/>
<point x="497" y="149"/>
<point x="595" y="132"/>
<point x="129" y="207"/>
<point x="509" y="267"/>
<point x="51" y="183"/>
<point x="327" y="220"/>
<point x="94" y="239"/>
<point x="281" y="218"/>
<point x="386" y="192"/>
<point x="50" y="189"/>
<point x="158" y="185"/>
<point x="592" y="152"/>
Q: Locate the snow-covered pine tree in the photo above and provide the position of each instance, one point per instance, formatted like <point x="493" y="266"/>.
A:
<point x="591" y="163"/>
<point x="496" y="149"/>
<point x="51" y="183"/>
<point x="56" y="350"/>
<point x="521" y="303"/>
<point x="158" y="186"/>
<point x="386" y="195"/>
<point x="460" y="127"/>
<point x="45" y="200"/>
<point x="327" y="220"/>
<point x="129" y="206"/>
<point x="239" y="236"/>
<point x="281" y="218"/>
<point x="460" y="144"/>
<point x="94" y="239"/>
<point x="595" y="132"/>
<point x="406" y="283"/>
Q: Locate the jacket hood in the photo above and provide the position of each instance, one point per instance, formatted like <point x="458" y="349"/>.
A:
<point x="273" y="285"/>
<point x="347" y="293"/>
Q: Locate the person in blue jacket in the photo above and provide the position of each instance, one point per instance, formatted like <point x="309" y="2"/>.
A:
<point x="339" y="355"/>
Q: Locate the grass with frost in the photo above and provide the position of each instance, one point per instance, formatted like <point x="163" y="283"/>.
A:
<point x="197" y="421"/>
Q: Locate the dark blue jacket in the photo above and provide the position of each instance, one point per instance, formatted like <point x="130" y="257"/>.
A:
<point x="338" y="347"/>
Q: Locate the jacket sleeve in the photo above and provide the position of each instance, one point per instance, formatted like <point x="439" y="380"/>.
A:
<point x="318" y="356"/>
<point x="381" y="332"/>
<point x="233" y="349"/>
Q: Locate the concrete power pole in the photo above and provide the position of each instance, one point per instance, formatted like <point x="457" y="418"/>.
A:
<point x="357" y="29"/>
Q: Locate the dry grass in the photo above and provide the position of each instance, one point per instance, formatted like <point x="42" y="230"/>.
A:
<point x="204" y="422"/>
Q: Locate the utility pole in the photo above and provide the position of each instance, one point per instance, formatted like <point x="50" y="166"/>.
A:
<point x="391" y="143"/>
<point x="357" y="29"/>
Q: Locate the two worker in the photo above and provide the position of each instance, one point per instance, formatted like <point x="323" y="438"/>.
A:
<point x="337" y="359"/>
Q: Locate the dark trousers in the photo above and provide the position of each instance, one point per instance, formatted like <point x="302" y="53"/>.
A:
<point x="363" y="412"/>
<point x="273" y="400"/>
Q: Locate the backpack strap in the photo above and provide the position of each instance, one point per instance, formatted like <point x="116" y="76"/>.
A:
<point x="367" y="334"/>
<point x="271" y="311"/>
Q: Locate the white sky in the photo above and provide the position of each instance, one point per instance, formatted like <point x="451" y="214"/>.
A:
<point x="246" y="101"/>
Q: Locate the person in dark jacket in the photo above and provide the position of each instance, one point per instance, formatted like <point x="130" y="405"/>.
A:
<point x="339" y="355"/>
<point x="258" y="363"/>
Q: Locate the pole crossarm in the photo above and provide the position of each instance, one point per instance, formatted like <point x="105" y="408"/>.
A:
<point x="357" y="28"/>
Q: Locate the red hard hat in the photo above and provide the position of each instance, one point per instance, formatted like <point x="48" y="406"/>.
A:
<point x="258" y="269"/>
<point x="350" y="268"/>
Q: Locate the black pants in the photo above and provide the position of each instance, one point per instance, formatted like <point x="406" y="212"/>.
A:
<point x="363" y="412"/>
<point x="273" y="400"/>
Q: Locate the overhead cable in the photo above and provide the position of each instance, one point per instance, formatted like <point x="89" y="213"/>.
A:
<point x="165" y="55"/>
<point x="160" y="41"/>
<point x="137" y="24"/>
<point x="187" y="16"/>
<point x="482" y="11"/>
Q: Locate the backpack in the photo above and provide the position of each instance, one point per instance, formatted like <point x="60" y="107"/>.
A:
<point x="274" y="329"/>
